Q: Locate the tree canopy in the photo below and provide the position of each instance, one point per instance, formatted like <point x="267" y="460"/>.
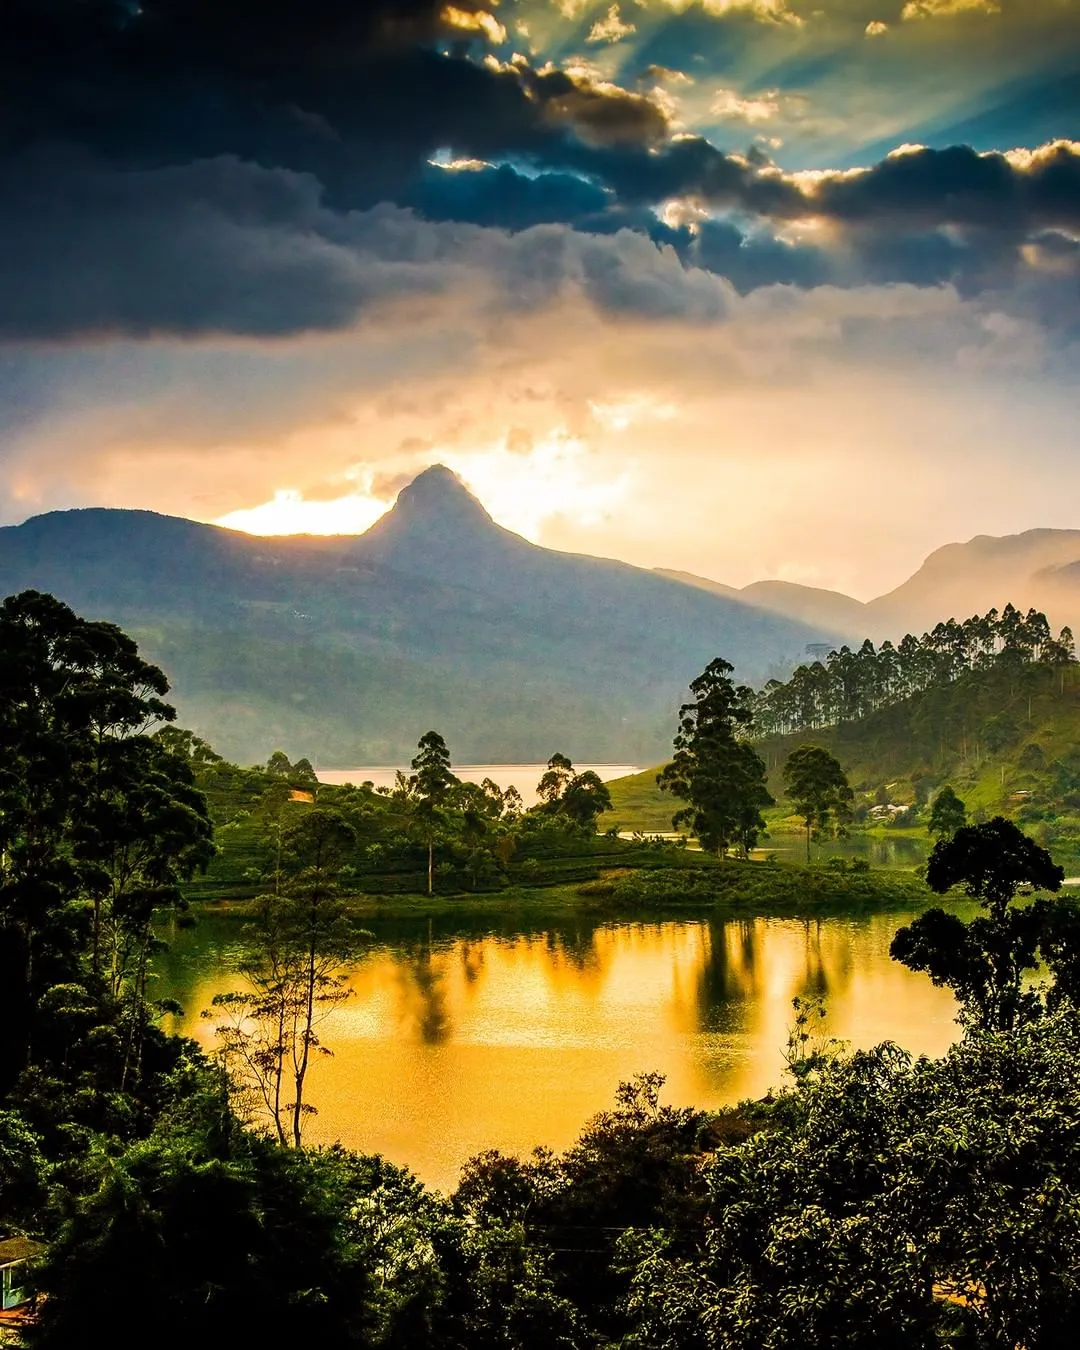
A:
<point x="721" y="778"/>
<point x="947" y="814"/>
<point x="819" y="791"/>
<point x="986" y="960"/>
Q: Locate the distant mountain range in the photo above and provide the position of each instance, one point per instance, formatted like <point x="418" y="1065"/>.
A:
<point x="1039" y="569"/>
<point x="347" y="649"/>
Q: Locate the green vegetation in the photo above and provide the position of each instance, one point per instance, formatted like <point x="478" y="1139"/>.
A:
<point x="721" y="778"/>
<point x="1002" y="736"/>
<point x="819" y="792"/>
<point x="758" y="888"/>
<point x="848" y="686"/>
<point x="875" y="1199"/>
<point x="482" y="842"/>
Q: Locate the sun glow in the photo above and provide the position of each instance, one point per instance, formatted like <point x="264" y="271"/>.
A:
<point x="289" y="512"/>
<point x="523" y="487"/>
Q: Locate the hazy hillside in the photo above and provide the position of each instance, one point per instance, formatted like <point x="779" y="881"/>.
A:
<point x="964" y="579"/>
<point x="346" y="649"/>
<point x="807" y="604"/>
<point x="1039" y="569"/>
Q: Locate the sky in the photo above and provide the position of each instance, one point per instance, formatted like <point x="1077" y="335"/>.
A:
<point x="748" y="288"/>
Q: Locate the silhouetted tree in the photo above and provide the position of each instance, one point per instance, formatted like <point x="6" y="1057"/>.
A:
<point x="297" y="951"/>
<point x="430" y="784"/>
<point x="554" y="781"/>
<point x="984" y="962"/>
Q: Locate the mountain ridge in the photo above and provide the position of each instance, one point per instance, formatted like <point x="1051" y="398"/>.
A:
<point x="347" y="648"/>
<point x="1037" y="568"/>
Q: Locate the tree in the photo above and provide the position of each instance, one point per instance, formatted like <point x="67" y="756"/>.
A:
<point x="187" y="746"/>
<point x="304" y="776"/>
<point x="297" y="952"/>
<point x="430" y="784"/>
<point x="279" y="765"/>
<point x="555" y="781"/>
<point x="143" y="829"/>
<point x="721" y="779"/>
<point x="581" y="797"/>
<point x="985" y="961"/>
<point x="818" y="790"/>
<point x="207" y="1228"/>
<point x="947" y="815"/>
<point x="92" y="808"/>
<point x="585" y="798"/>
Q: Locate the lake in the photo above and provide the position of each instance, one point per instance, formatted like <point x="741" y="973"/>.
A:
<point x="522" y="776"/>
<point x="460" y="1037"/>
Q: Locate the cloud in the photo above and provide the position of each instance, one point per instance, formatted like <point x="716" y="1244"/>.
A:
<point x="1022" y="191"/>
<point x="611" y="28"/>
<point x="876" y="28"/>
<point x="473" y="21"/>
<point x="767" y="11"/>
<point x="224" y="246"/>
<point x="934" y="9"/>
<point x="730" y="107"/>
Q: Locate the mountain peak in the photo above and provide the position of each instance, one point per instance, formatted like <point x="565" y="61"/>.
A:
<point x="439" y="495"/>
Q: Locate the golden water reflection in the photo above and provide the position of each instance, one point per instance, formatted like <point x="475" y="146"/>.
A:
<point x="453" y="1044"/>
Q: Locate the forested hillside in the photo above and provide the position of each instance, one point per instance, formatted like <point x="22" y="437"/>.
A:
<point x="990" y="706"/>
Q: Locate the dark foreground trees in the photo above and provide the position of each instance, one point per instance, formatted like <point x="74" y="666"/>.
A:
<point x="890" y="1202"/>
<point x="99" y="822"/>
<point x="987" y="963"/>
<point x="721" y="778"/>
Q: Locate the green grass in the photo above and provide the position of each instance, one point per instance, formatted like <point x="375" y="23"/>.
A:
<point x="729" y="888"/>
<point x="638" y="804"/>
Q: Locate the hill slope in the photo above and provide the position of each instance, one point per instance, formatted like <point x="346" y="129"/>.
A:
<point x="808" y="604"/>
<point x="346" y="649"/>
<point x="1038" y="569"/>
<point x="964" y="579"/>
<point x="1007" y="741"/>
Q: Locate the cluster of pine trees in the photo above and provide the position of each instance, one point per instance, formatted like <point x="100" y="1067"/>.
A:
<point x="849" y="685"/>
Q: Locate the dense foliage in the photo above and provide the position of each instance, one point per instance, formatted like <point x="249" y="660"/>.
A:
<point x="849" y="685"/>
<point x="876" y="1200"/>
<point x="819" y="792"/>
<point x="720" y="777"/>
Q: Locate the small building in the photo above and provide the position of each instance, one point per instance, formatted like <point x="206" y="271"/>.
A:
<point x="15" y="1252"/>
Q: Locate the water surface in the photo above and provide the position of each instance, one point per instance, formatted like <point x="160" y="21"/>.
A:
<point x="522" y="776"/>
<point x="459" y="1038"/>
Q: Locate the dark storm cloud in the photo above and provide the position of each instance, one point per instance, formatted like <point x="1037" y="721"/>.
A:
<point x="961" y="187"/>
<point x="218" y="246"/>
<point x="357" y="93"/>
<point x="499" y="196"/>
<point x="225" y="246"/>
<point x="209" y="166"/>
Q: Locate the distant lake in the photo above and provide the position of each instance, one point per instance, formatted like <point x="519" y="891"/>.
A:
<point x="466" y="1033"/>
<point x="522" y="776"/>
